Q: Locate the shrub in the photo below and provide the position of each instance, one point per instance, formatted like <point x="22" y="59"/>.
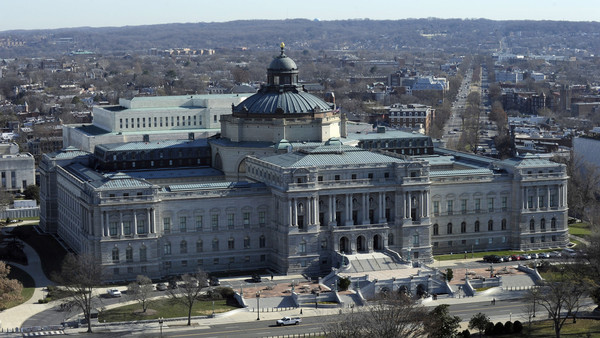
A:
<point x="225" y="292"/>
<point x="489" y="329"/>
<point x="498" y="329"/>
<point x="508" y="327"/>
<point x="466" y="334"/>
<point x="344" y="283"/>
<point x="517" y="327"/>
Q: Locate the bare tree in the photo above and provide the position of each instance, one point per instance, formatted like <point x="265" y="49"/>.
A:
<point x="78" y="277"/>
<point x="141" y="290"/>
<point x="392" y="314"/>
<point x="560" y="296"/>
<point x="189" y="292"/>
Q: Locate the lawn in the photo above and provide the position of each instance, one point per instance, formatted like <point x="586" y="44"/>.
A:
<point x="580" y="229"/>
<point x="50" y="251"/>
<point x="26" y="280"/>
<point x="162" y="308"/>
<point x="484" y="253"/>
<point x="583" y="328"/>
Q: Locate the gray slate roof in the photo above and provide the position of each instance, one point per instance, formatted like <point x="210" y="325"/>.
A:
<point x="328" y="156"/>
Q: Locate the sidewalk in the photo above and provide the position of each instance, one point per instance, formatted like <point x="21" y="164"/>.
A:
<point x="14" y="317"/>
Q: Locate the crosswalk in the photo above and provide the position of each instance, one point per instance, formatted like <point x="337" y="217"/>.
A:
<point x="43" y="333"/>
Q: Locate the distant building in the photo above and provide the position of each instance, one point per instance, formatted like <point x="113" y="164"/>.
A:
<point x="17" y="170"/>
<point x="411" y="116"/>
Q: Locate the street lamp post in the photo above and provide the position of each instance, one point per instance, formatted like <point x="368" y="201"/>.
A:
<point x="258" y="305"/>
<point x="160" y="323"/>
<point x="213" y="314"/>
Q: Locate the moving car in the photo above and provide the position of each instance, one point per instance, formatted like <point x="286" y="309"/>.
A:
<point x="289" y="321"/>
<point x="113" y="293"/>
<point x="161" y="287"/>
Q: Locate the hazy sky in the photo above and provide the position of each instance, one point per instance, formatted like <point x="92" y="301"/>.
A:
<point x="41" y="14"/>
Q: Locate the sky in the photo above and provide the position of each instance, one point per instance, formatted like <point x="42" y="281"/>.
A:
<point x="49" y="14"/>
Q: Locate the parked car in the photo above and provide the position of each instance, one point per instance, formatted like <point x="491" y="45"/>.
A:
<point x="544" y="255"/>
<point x="506" y="258"/>
<point x="113" y="293"/>
<point x="214" y="281"/>
<point x="535" y="256"/>
<point x="493" y="259"/>
<point x="555" y="254"/>
<point x="289" y="321"/>
<point x="515" y="257"/>
<point x="256" y="278"/>
<point x="172" y="284"/>
<point x="161" y="287"/>
<point x="569" y="252"/>
<point x="525" y="257"/>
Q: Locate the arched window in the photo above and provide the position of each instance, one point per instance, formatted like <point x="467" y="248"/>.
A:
<point x="490" y="225"/>
<point x="504" y="224"/>
<point x="553" y="223"/>
<point x="262" y="241"/>
<point x="215" y="244"/>
<point x="449" y="228"/>
<point x="199" y="246"/>
<point x="115" y="255"/>
<point x="129" y="254"/>
<point x="436" y="229"/>
<point x="543" y="224"/>
<point x="230" y="243"/>
<point x="463" y="227"/>
<point x="143" y="257"/>
<point x="246" y="242"/>
<point x="532" y="225"/>
<point x="183" y="247"/>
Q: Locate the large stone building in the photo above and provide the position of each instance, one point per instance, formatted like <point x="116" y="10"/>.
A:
<point x="286" y="187"/>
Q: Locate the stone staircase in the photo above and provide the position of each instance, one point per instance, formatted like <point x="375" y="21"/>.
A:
<point x="373" y="261"/>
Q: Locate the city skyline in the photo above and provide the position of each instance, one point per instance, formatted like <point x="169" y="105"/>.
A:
<point x="38" y="14"/>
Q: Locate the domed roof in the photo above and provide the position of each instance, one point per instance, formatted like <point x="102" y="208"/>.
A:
<point x="282" y="62"/>
<point x="282" y="94"/>
<point x="288" y="102"/>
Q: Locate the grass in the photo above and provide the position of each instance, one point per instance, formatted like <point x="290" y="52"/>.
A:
<point x="28" y="285"/>
<point x="484" y="253"/>
<point x="580" y="229"/>
<point x="583" y="328"/>
<point x="50" y="251"/>
<point x="162" y="308"/>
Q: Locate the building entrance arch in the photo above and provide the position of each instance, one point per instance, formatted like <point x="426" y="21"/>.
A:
<point x="361" y="244"/>
<point x="345" y="245"/>
<point x="377" y="243"/>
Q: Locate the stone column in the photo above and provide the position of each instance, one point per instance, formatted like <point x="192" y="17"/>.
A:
<point x="153" y="220"/>
<point x="409" y="211"/>
<point x="103" y="223"/>
<point x="120" y="224"/>
<point x="290" y="212"/>
<point x="547" y="197"/>
<point x="295" y="212"/>
<point x="524" y="194"/>
<point x="316" y="209"/>
<point x="308" y="211"/>
<point x="148" y="230"/>
<point x="365" y="208"/>
<point x="536" y="200"/>
<point x="134" y="223"/>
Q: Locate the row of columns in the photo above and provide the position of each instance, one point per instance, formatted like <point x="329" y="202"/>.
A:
<point x="536" y="191"/>
<point x="310" y="207"/>
<point x="150" y="226"/>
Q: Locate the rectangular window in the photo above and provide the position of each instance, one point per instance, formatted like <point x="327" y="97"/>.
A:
<point x="183" y="264"/>
<point x="200" y="262"/>
<point x="141" y="226"/>
<point x="477" y="241"/>
<point x="262" y="218"/>
<point x="263" y="258"/>
<point x="449" y="207"/>
<point x="336" y="177"/>
<point x="215" y="261"/>
<point x="113" y="228"/>
<point x="198" y="223"/>
<point x="503" y="239"/>
<point x="463" y="206"/>
<point x="491" y="204"/>
<point x="246" y="219"/>
<point x="504" y="203"/>
<point x="490" y="240"/>
<point x="214" y="221"/>
<point x="436" y="207"/>
<point x="167" y="224"/>
<point x="552" y="200"/>
<point x="541" y="201"/>
<point x="182" y="224"/>
<point x="230" y="221"/>
<point x="477" y="204"/>
<point x="530" y="202"/>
